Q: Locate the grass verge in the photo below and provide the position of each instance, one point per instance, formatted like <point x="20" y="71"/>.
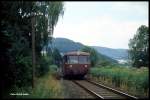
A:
<point x="46" y="87"/>
<point x="134" y="81"/>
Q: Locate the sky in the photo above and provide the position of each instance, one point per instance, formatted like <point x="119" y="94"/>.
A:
<point x="106" y="24"/>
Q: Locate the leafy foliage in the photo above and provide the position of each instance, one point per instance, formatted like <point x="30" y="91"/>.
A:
<point x="16" y="50"/>
<point x="93" y="54"/>
<point x="97" y="58"/>
<point x="57" y="57"/>
<point x="16" y="39"/>
<point x="139" y="47"/>
<point x="43" y="66"/>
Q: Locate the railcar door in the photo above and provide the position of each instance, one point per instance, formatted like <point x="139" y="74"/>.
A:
<point x="63" y="65"/>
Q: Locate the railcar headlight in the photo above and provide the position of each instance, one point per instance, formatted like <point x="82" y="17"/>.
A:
<point x="85" y="66"/>
<point x="70" y="66"/>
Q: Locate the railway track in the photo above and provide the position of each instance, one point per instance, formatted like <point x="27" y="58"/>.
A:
<point x="101" y="91"/>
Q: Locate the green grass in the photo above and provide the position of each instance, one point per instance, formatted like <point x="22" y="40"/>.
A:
<point x="46" y="86"/>
<point x="133" y="80"/>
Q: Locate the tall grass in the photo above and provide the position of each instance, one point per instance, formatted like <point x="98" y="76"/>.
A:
<point x="133" y="80"/>
<point x="46" y="86"/>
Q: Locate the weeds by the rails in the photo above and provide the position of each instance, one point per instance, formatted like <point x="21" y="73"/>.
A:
<point x="132" y="80"/>
<point x="46" y="86"/>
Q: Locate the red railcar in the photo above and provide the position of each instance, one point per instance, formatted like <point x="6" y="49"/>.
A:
<point x="76" y="64"/>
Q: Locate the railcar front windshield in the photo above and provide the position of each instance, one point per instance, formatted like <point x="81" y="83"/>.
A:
<point x="78" y="59"/>
<point x="84" y="60"/>
<point x="73" y="59"/>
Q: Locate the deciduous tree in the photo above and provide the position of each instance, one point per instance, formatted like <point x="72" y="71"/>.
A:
<point x="139" y="47"/>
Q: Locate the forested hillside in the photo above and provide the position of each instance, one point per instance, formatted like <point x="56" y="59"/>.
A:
<point x="66" y="45"/>
<point x="113" y="53"/>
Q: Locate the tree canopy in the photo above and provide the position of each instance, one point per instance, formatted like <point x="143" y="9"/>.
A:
<point x="93" y="54"/>
<point x="16" y="31"/>
<point x="139" y="47"/>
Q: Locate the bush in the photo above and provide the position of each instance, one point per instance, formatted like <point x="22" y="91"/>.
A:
<point x="53" y="68"/>
<point x="43" y="67"/>
<point x="23" y="71"/>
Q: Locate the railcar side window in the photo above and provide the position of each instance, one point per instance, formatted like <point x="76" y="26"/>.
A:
<point x="73" y="59"/>
<point x="83" y="59"/>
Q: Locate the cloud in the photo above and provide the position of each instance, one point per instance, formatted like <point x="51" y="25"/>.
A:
<point x="102" y="30"/>
<point x="137" y="9"/>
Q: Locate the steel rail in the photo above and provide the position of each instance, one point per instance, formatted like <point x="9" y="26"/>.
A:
<point x="113" y="90"/>
<point x="88" y="90"/>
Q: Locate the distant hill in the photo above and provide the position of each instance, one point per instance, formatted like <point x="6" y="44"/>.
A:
<point x="117" y="54"/>
<point x="104" y="58"/>
<point x="65" y="45"/>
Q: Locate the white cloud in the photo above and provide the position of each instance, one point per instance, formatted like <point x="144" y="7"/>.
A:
<point x="102" y="30"/>
<point x="139" y="8"/>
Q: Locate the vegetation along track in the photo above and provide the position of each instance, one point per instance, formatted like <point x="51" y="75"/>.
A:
<point x="101" y="91"/>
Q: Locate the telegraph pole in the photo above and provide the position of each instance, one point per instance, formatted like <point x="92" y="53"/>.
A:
<point x="33" y="47"/>
<point x="33" y="50"/>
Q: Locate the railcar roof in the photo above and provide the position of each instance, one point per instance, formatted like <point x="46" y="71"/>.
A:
<point x="77" y="53"/>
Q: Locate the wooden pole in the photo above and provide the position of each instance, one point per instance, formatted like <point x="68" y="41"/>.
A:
<point x="33" y="51"/>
